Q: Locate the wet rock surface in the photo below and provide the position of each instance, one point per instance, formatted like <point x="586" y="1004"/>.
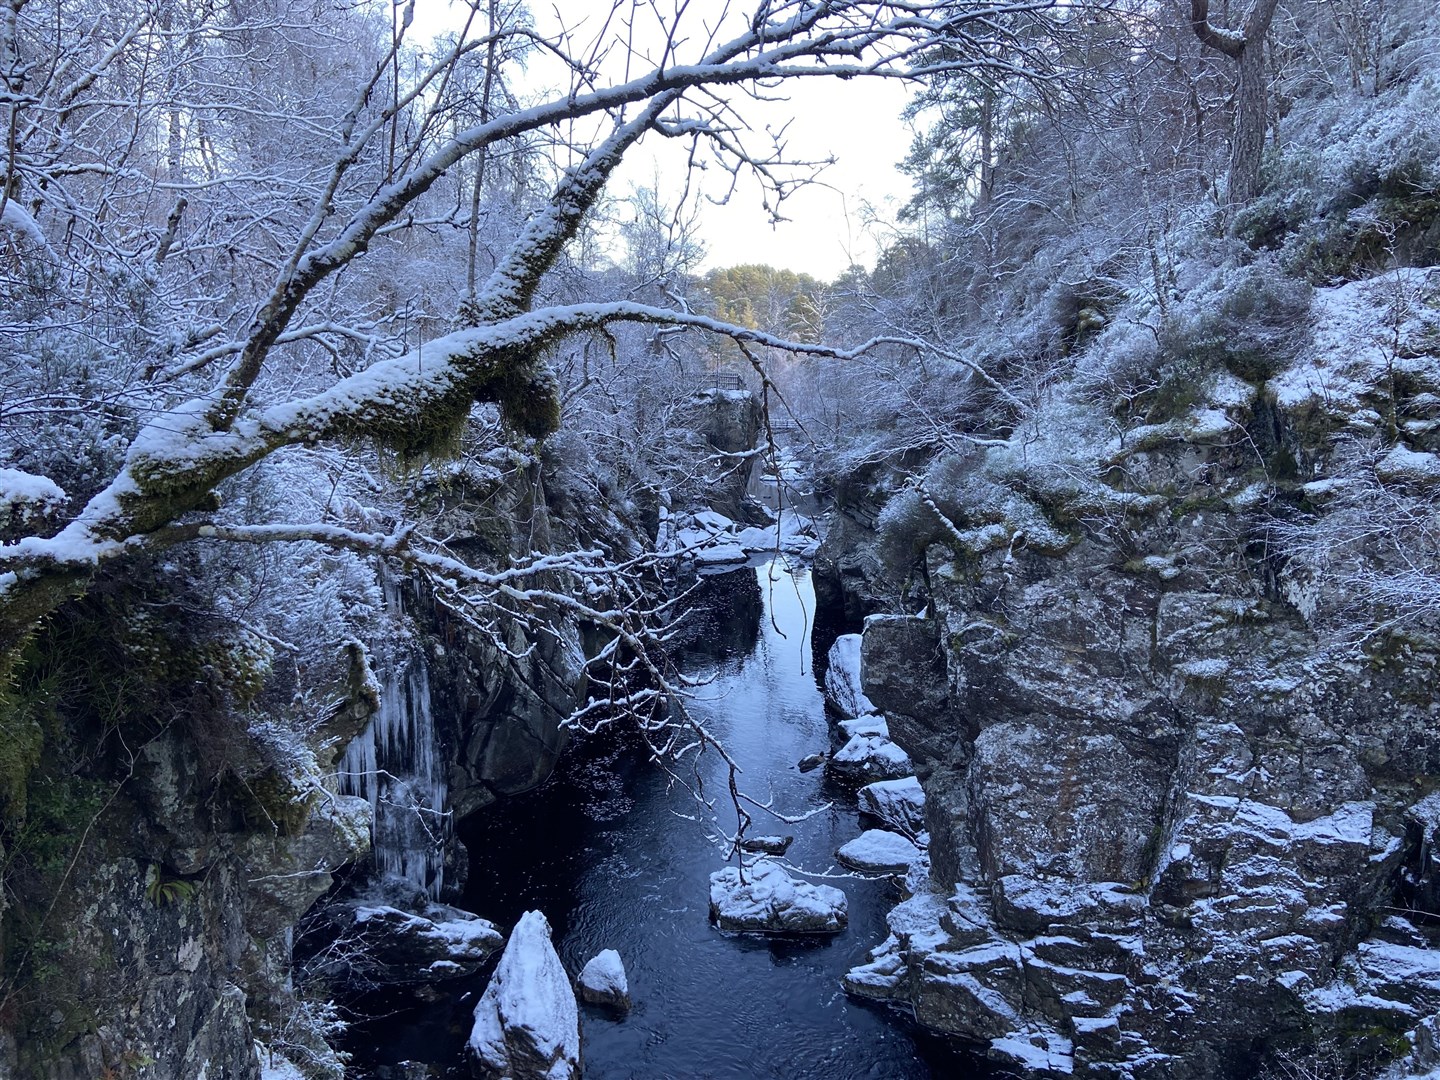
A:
<point x="374" y="945"/>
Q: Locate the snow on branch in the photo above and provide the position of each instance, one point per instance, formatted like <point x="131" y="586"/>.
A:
<point x="411" y="402"/>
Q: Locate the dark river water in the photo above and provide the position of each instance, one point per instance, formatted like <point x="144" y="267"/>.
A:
<point x="616" y="858"/>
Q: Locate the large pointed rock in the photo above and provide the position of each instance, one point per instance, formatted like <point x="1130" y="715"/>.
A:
<point x="527" y="1025"/>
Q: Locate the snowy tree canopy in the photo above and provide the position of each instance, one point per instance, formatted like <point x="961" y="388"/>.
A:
<point x="212" y="214"/>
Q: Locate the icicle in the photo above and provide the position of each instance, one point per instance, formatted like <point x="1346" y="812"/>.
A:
<point x="395" y="763"/>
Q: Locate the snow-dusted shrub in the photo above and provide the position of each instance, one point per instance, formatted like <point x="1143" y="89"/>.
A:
<point x="1389" y="148"/>
<point x="1354" y="184"/>
<point x="1249" y="320"/>
<point x="905" y="528"/>
<point x="1122" y="364"/>
<point x="1364" y="548"/>
<point x="61" y="414"/>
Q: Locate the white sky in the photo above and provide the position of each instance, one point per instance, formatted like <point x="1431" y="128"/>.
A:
<point x="832" y="224"/>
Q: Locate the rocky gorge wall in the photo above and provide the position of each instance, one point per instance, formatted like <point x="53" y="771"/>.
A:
<point x="171" y="792"/>
<point x="1180" y="765"/>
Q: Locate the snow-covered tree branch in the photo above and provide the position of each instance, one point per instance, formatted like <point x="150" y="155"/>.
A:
<point x="209" y="212"/>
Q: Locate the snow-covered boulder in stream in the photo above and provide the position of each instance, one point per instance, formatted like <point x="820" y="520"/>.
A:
<point x="879" y="852"/>
<point x="708" y="538"/>
<point x="869" y="724"/>
<point x="379" y="945"/>
<point x="602" y="981"/>
<point x="527" y="1025"/>
<point x="869" y="757"/>
<point x="900" y="804"/>
<point x="842" y="679"/>
<point x="793" y="534"/>
<point x="769" y="901"/>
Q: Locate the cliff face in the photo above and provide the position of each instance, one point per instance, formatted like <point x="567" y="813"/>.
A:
<point x="1178" y="754"/>
<point x="160" y="846"/>
<point x="178" y="783"/>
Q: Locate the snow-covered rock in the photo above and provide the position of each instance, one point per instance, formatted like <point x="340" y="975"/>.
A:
<point x="869" y="724"/>
<point x="842" y="678"/>
<point x="770" y="901"/>
<point x="792" y="534"/>
<point x="1041" y="1052"/>
<point x="1405" y="466"/>
<point x="707" y="537"/>
<point x="869" y="757"/>
<point x="602" y="980"/>
<point x="721" y="553"/>
<point x="767" y="845"/>
<point x="898" y="803"/>
<point x="380" y="945"/>
<point x="527" y="1025"/>
<point x="880" y="852"/>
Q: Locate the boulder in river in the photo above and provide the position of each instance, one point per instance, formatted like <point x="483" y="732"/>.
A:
<point x="378" y="945"/>
<point x="768" y="900"/>
<point x="810" y="762"/>
<point x="900" y="804"/>
<point x="602" y="981"/>
<point x="869" y="757"/>
<point x="879" y="852"/>
<point x="766" y="845"/>
<point x="527" y="1025"/>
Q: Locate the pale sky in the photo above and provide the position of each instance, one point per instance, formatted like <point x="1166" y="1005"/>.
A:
<point x="856" y="121"/>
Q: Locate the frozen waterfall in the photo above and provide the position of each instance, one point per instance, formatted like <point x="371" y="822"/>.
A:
<point x="396" y="764"/>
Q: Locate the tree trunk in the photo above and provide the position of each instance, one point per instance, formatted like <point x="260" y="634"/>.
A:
<point x="1247" y="49"/>
<point x="1247" y="145"/>
<point x="987" y="149"/>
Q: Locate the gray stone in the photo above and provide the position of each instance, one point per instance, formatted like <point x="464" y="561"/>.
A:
<point x="766" y="845"/>
<point x="373" y="945"/>
<point x="898" y="803"/>
<point x="1161" y="804"/>
<point x="867" y="758"/>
